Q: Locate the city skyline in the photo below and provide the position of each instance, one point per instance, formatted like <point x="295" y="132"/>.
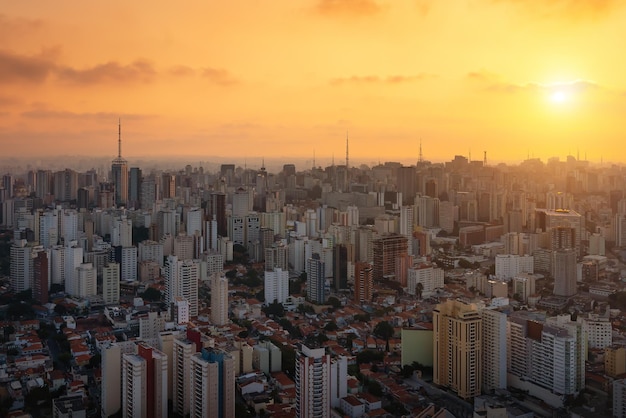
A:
<point x="293" y="79"/>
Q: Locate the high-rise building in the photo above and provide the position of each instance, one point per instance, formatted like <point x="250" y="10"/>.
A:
<point x="212" y="386"/>
<point x="73" y="259"/>
<point x="315" y="269"/>
<point x="183" y="246"/>
<point x="182" y="352"/>
<point x="150" y="251"/>
<point x="509" y="266"/>
<point x="21" y="269"/>
<point x="216" y="209"/>
<point x="48" y="229"/>
<point x="119" y="173"/>
<point x="407" y="184"/>
<point x="564" y="272"/>
<point x="548" y="219"/>
<point x="86" y="281"/>
<point x="277" y="256"/>
<point x="363" y="282"/>
<point x="41" y="277"/>
<point x="427" y="209"/>
<point x="423" y="279"/>
<point x="122" y="232"/>
<point x="134" y="188"/>
<point x="386" y="250"/>
<point x="276" y="285"/>
<point x="546" y="354"/>
<point x="619" y="398"/>
<point x="313" y="388"/>
<point x="614" y="361"/>
<point x="457" y="344"/>
<point x="144" y="383"/>
<point x="111" y="283"/>
<point x="181" y="279"/>
<point x="219" y="299"/>
<point x="66" y="185"/>
<point x="494" y="349"/>
<point x="242" y="202"/>
<point x="340" y="267"/>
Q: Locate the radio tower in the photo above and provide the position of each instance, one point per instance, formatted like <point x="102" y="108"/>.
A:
<point x="421" y="156"/>
<point x="347" y="175"/>
<point x="347" y="159"/>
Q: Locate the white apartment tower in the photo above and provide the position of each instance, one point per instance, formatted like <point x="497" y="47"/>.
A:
<point x="86" y="281"/>
<point x="313" y="389"/>
<point x="494" y="349"/>
<point x="181" y="279"/>
<point x="276" y="285"/>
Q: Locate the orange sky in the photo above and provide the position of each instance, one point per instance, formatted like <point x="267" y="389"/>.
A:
<point x="252" y="78"/>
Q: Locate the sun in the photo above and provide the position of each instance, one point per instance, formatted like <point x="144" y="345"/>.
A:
<point x="559" y="96"/>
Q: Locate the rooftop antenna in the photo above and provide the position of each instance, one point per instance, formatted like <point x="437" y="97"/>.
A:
<point x="119" y="138"/>
<point x="347" y="154"/>
<point x="421" y="157"/>
<point x="313" y="158"/>
<point x="485" y="158"/>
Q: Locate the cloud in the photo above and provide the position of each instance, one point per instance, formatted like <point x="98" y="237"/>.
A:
<point x="182" y="71"/>
<point x="110" y="72"/>
<point x="11" y="26"/>
<point x="492" y="82"/>
<point x="63" y="114"/>
<point x="219" y="76"/>
<point x="15" y="67"/>
<point x="348" y="7"/>
<point x="581" y="9"/>
<point x="374" y="79"/>
<point x="9" y="101"/>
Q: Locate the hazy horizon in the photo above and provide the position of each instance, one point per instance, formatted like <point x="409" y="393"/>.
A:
<point x="510" y="77"/>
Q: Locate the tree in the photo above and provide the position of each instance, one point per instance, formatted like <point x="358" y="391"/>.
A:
<point x="60" y="309"/>
<point x="334" y="302"/>
<point x="331" y="326"/>
<point x="385" y="331"/>
<point x="275" y="308"/>
<point x="151" y="294"/>
<point x="419" y="288"/>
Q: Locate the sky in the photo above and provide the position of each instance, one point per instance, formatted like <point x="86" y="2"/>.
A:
<point x="254" y="79"/>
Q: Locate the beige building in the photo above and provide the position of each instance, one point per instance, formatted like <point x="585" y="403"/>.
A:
<point x="212" y="386"/>
<point x="457" y="329"/>
<point x="615" y="361"/>
<point x="182" y="352"/>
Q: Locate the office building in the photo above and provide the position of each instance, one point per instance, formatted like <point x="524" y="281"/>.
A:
<point x="119" y="173"/>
